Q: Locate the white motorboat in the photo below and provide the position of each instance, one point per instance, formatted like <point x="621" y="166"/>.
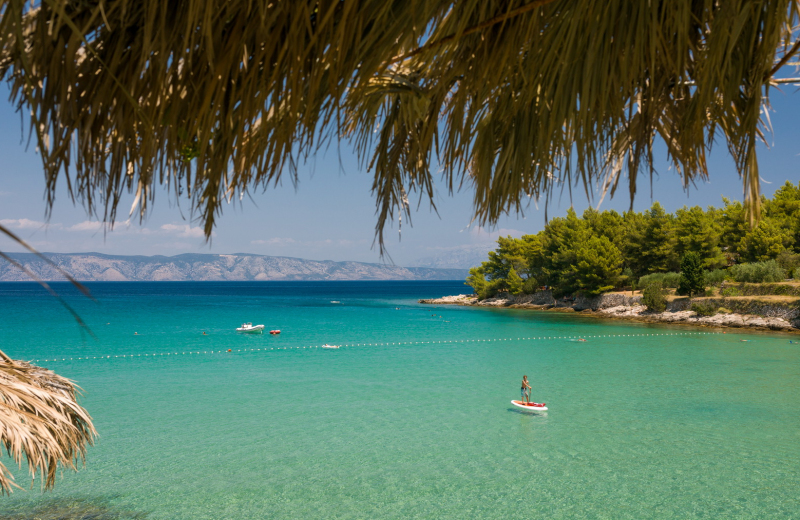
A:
<point x="330" y="346"/>
<point x="249" y="327"/>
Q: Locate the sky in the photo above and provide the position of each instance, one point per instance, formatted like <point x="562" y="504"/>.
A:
<point x="330" y="214"/>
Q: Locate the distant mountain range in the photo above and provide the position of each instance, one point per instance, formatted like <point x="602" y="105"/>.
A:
<point x="207" y="267"/>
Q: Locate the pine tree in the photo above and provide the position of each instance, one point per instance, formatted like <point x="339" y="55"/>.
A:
<point x="633" y="226"/>
<point x="785" y="207"/>
<point x="597" y="267"/>
<point x="700" y="231"/>
<point x="692" y="280"/>
<point x="658" y="241"/>
<point x="477" y="280"/>
<point x="514" y="282"/>
<point x="735" y="226"/>
<point x="765" y="241"/>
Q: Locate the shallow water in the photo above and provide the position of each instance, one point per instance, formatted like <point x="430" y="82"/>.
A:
<point x="411" y="417"/>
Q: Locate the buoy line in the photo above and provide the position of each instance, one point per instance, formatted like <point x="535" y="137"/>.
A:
<point x="344" y="345"/>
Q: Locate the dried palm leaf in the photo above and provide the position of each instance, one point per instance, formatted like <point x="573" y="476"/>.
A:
<point x="214" y="98"/>
<point x="40" y="421"/>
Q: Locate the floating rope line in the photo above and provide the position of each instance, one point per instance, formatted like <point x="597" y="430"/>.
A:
<point x="267" y="349"/>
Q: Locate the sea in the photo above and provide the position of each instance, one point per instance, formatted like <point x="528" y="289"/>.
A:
<point x="411" y="417"/>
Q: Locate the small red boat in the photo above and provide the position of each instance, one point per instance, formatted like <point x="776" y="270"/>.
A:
<point x="276" y="331"/>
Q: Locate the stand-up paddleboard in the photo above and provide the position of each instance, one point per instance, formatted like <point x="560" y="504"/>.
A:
<point x="330" y="346"/>
<point x="537" y="407"/>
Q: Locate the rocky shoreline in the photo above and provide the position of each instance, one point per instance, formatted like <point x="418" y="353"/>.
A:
<point x="762" y="315"/>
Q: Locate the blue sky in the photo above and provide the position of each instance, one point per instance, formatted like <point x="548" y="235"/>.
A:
<point x="330" y="215"/>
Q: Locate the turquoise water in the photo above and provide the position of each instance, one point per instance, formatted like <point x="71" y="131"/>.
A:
<point x="411" y="417"/>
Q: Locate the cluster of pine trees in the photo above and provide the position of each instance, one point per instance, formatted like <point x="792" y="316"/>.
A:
<point x="600" y="251"/>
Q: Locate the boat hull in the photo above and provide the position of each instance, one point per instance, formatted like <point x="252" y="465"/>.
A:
<point x="255" y="329"/>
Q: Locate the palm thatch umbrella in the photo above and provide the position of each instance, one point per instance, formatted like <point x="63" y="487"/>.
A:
<point x="40" y="421"/>
<point x="213" y="98"/>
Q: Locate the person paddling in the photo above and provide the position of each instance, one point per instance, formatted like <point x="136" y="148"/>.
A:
<point x="525" y="390"/>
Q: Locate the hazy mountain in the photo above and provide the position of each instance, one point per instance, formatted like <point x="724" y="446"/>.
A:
<point x="198" y="267"/>
<point x="458" y="257"/>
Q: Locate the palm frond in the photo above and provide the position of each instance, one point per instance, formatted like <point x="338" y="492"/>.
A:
<point x="40" y="422"/>
<point x="216" y="98"/>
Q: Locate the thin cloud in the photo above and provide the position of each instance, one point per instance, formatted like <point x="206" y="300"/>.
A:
<point x="24" y="223"/>
<point x="183" y="230"/>
<point x="86" y="225"/>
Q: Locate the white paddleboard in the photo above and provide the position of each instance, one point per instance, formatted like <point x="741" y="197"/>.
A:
<point x="537" y="407"/>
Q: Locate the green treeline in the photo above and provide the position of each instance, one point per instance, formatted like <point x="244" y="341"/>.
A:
<point x="600" y="251"/>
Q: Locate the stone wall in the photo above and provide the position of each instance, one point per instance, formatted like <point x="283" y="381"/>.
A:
<point x="605" y="301"/>
<point x="767" y="309"/>
<point x="546" y="299"/>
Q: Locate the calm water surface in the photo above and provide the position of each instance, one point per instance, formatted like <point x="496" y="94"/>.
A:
<point x="411" y="417"/>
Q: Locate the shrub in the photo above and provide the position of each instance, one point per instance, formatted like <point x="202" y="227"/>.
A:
<point x="704" y="309"/>
<point x="653" y="297"/>
<point x="672" y="280"/>
<point x="730" y="291"/>
<point x="758" y="272"/>
<point x="762" y="289"/>
<point x="667" y="280"/>
<point x="789" y="262"/>
<point x="530" y="286"/>
<point x="655" y="277"/>
<point x="716" y="277"/>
